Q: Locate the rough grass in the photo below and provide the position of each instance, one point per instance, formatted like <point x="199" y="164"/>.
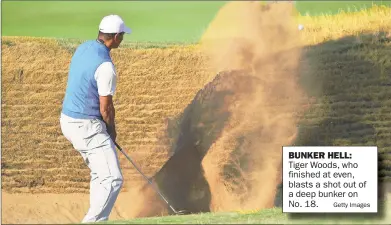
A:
<point x="154" y="83"/>
<point x="266" y="216"/>
<point x="314" y="8"/>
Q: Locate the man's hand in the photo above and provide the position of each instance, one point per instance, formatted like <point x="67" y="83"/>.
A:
<point x="108" y="113"/>
<point x="113" y="135"/>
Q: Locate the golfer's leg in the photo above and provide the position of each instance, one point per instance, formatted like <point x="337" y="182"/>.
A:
<point x="91" y="140"/>
<point x="115" y="179"/>
<point x="106" y="186"/>
<point x="94" y="189"/>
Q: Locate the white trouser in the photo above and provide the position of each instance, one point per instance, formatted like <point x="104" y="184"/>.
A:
<point x="90" y="138"/>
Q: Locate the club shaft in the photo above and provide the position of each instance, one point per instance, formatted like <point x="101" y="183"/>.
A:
<point x="146" y="178"/>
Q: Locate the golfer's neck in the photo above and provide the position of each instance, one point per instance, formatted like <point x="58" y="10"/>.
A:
<point x="104" y="43"/>
<point x="107" y="45"/>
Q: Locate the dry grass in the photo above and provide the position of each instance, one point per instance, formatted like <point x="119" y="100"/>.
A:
<point x="154" y="84"/>
<point x="332" y="27"/>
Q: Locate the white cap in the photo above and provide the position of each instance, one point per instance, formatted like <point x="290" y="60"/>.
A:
<point x="113" y="24"/>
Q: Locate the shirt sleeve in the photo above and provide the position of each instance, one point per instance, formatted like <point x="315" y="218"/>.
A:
<point x="106" y="79"/>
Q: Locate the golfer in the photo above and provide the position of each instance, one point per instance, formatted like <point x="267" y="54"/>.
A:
<point x="87" y="117"/>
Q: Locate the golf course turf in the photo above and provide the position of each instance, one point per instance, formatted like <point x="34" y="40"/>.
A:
<point x="158" y="83"/>
<point x="151" y="21"/>
<point x="267" y="216"/>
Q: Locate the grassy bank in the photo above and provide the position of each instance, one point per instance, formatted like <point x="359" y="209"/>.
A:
<point x="267" y="216"/>
<point x="157" y="21"/>
<point x="151" y="21"/>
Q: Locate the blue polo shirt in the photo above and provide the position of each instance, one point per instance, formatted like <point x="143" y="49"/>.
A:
<point x="81" y="99"/>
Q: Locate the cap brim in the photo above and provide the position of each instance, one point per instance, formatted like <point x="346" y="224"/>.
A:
<point x="127" y="30"/>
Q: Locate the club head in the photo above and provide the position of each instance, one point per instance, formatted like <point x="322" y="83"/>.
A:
<point x="182" y="212"/>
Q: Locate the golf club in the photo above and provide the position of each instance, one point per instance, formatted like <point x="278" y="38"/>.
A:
<point x="180" y="212"/>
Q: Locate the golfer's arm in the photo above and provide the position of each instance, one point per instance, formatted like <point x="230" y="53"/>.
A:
<point x="106" y="82"/>
<point x="107" y="111"/>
